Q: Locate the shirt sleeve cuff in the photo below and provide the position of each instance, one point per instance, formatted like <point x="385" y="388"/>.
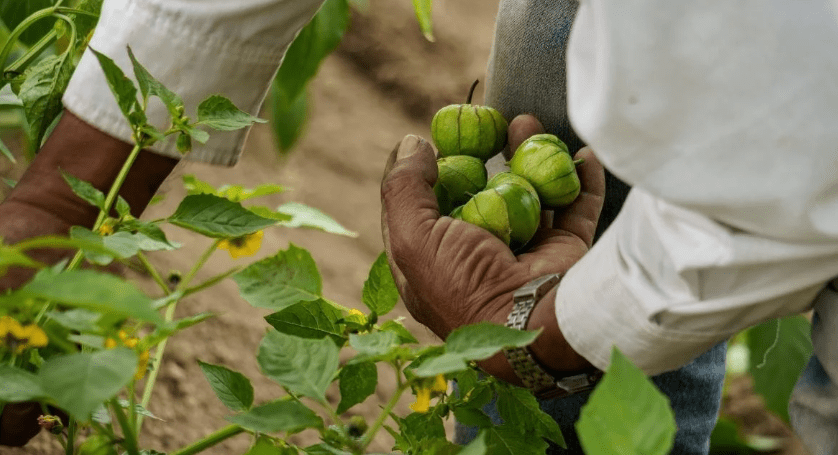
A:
<point x="193" y="59"/>
<point x="597" y="312"/>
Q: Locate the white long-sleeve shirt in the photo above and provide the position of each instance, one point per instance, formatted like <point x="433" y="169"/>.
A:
<point x="723" y="115"/>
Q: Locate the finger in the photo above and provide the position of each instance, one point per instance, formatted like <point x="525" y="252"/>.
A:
<point x="521" y="128"/>
<point x="581" y="217"/>
<point x="408" y="204"/>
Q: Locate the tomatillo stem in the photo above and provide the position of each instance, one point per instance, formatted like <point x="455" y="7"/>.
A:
<point x="471" y="91"/>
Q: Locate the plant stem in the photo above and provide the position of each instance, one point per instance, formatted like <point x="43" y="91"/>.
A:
<point x="210" y="440"/>
<point x="127" y="432"/>
<point x="388" y="408"/>
<point x="70" y="448"/>
<point x="168" y="317"/>
<point x="471" y="91"/>
<point x="15" y="34"/>
<point x="109" y="200"/>
<point x="153" y="272"/>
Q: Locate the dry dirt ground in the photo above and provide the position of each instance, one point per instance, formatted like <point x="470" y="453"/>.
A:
<point x="383" y="82"/>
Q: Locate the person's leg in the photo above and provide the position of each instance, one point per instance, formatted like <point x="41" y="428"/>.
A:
<point x="814" y="403"/>
<point x="527" y="75"/>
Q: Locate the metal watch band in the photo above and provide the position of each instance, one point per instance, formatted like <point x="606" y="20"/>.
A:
<point x="542" y="384"/>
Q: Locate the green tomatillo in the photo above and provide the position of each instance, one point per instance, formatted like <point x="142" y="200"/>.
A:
<point x="460" y="177"/>
<point x="545" y="162"/>
<point x="508" y="211"/>
<point x="468" y="129"/>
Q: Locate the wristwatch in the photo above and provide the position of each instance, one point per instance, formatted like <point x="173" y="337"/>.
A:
<point x="542" y="384"/>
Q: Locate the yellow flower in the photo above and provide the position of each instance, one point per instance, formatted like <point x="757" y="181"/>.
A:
<point x="106" y="229"/>
<point x="440" y="384"/>
<point x="110" y="343"/>
<point x="142" y="366"/>
<point x="423" y="400"/>
<point x="356" y="316"/>
<point x="247" y="245"/>
<point x="127" y="340"/>
<point x="19" y="337"/>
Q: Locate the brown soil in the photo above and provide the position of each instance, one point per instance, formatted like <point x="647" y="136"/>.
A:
<point x="384" y="81"/>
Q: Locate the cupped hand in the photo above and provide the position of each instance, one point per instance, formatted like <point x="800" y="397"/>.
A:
<point x="451" y="273"/>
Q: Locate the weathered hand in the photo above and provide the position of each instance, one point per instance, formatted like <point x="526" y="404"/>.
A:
<point x="451" y="273"/>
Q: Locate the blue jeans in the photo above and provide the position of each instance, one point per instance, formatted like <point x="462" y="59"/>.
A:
<point x="695" y="391"/>
<point x="526" y="74"/>
<point x="814" y="403"/>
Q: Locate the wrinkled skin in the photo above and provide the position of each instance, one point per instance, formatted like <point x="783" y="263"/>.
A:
<point x="450" y="273"/>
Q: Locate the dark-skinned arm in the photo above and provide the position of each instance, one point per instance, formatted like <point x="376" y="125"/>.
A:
<point x="42" y="203"/>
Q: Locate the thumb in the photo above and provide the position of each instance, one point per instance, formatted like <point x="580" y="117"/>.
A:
<point x="409" y="207"/>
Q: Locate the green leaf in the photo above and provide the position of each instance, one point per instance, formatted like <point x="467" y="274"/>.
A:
<point x="288" y="116"/>
<point x="77" y="319"/>
<point x="304" y="366"/>
<point x="122" y="87"/>
<point x="96" y="291"/>
<point x="473" y="417"/>
<point x="725" y="439"/>
<point x="80" y="382"/>
<point x="266" y="446"/>
<point x="477" y="446"/>
<point x="422" y="433"/>
<point x="237" y="193"/>
<point x="86" y="24"/>
<point x="508" y="440"/>
<point x="217" y="217"/>
<point x="9" y="182"/>
<point x="289" y="97"/>
<point x="317" y="319"/>
<point x="4" y="150"/>
<point x="626" y="413"/>
<point x="138" y="409"/>
<point x="518" y="407"/>
<point x="268" y="213"/>
<point x="374" y="344"/>
<point x="18" y="385"/>
<point x="41" y="93"/>
<point x="314" y="42"/>
<point x="231" y="387"/>
<point x="152" y="239"/>
<point x="357" y="382"/>
<point x="778" y="355"/>
<point x="423" y="15"/>
<point x="483" y="340"/>
<point x="303" y="216"/>
<point x="281" y="415"/>
<point x="85" y="190"/>
<point x="122" y="207"/>
<point x="194" y="185"/>
<point x="124" y="244"/>
<point x="405" y="337"/>
<point x="380" y="293"/>
<point x="280" y="281"/>
<point x="221" y="114"/>
<point x="149" y="86"/>
<point x="443" y="364"/>
<point x="9" y="256"/>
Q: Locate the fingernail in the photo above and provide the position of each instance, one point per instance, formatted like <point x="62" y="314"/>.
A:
<point x="409" y="146"/>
